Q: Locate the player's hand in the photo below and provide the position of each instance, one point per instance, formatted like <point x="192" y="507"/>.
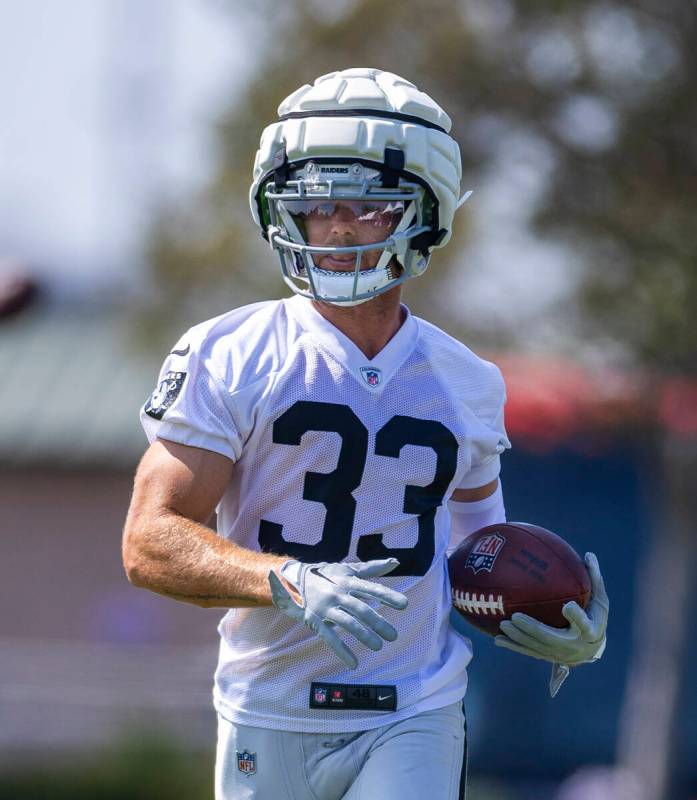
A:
<point x="582" y="641"/>
<point x="329" y="595"/>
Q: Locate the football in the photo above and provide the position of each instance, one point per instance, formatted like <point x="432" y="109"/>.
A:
<point x="516" y="566"/>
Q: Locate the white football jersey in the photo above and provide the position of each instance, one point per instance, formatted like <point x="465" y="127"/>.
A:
<point x="337" y="458"/>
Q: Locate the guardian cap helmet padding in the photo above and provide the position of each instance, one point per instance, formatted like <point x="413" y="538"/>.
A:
<point x="357" y="135"/>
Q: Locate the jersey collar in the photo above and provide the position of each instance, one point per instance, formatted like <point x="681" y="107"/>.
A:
<point x="373" y="373"/>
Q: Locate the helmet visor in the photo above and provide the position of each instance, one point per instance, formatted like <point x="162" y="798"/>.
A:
<point x="374" y="219"/>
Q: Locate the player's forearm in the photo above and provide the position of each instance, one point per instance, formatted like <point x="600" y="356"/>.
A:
<point x="179" y="558"/>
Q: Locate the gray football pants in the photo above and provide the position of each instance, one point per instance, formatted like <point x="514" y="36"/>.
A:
<point x="421" y="757"/>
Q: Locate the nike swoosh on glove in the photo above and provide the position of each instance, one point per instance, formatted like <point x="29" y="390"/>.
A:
<point x="331" y="595"/>
<point x="581" y="642"/>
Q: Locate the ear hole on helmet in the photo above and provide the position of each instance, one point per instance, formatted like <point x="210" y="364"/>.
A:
<point x="432" y="237"/>
<point x="264" y="213"/>
<point x="429" y="208"/>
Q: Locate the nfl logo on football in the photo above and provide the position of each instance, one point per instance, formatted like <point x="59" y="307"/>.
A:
<point x="247" y="762"/>
<point x="484" y="552"/>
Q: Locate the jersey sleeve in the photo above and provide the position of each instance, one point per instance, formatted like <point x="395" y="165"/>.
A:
<point x="488" y="441"/>
<point x="190" y="405"/>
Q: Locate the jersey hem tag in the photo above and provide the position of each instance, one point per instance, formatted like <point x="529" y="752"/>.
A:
<point x="352" y="697"/>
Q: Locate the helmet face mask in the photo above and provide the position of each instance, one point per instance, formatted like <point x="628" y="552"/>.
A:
<point x="367" y="147"/>
<point x="381" y="223"/>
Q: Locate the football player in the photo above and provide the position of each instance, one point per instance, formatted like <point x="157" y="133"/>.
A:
<point x="346" y="446"/>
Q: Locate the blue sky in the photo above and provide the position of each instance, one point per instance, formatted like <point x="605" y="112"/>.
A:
<point x="104" y="108"/>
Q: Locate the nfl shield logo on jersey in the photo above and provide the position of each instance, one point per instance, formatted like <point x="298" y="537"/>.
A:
<point x="371" y="375"/>
<point x="484" y="552"/>
<point x="247" y="762"/>
<point x="320" y="694"/>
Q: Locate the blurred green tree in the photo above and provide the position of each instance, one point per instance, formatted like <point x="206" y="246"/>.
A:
<point x="142" y="765"/>
<point x="606" y="93"/>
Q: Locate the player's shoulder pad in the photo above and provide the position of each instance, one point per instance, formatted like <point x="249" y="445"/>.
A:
<point x="240" y="346"/>
<point x="474" y="380"/>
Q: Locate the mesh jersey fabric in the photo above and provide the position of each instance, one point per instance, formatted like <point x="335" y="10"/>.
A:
<point x="338" y="458"/>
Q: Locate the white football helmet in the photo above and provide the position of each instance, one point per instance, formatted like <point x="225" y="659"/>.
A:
<point x="371" y="142"/>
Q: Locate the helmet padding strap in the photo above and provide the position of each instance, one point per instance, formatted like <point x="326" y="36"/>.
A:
<point x="393" y="167"/>
<point x="280" y="167"/>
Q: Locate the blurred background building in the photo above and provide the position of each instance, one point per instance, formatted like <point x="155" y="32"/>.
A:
<point x="127" y="134"/>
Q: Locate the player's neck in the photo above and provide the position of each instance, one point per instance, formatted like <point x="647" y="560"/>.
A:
<point x="371" y="325"/>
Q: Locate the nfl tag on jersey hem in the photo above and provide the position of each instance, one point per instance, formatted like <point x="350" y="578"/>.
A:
<point x="352" y="697"/>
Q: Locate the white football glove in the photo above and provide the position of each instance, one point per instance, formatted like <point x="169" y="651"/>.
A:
<point x="582" y="641"/>
<point x="330" y="593"/>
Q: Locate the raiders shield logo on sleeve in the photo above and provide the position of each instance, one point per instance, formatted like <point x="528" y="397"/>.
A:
<point x="165" y="394"/>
